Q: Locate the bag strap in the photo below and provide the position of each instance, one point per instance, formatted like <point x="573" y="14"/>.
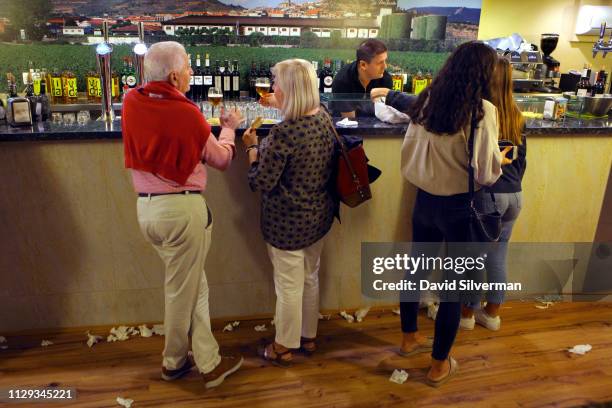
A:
<point x="471" y="138"/>
<point x="471" y="156"/>
<point x="342" y="149"/>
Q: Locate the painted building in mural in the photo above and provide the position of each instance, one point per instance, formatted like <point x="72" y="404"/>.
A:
<point x="284" y="27"/>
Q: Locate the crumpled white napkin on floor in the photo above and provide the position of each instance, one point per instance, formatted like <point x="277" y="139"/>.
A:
<point x="399" y="376"/>
<point x="581" y="349"/>
<point x="125" y="402"/>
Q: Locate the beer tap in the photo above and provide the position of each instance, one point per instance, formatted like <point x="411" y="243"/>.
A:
<point x="599" y="45"/>
<point x="103" y="52"/>
<point x="140" y="49"/>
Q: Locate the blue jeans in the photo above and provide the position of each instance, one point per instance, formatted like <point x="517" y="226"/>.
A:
<point x="436" y="219"/>
<point x="509" y="206"/>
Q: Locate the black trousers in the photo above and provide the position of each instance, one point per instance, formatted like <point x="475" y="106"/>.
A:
<point x="437" y="219"/>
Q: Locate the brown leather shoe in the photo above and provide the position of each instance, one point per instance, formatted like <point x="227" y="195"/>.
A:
<point x="170" y="375"/>
<point x="229" y="364"/>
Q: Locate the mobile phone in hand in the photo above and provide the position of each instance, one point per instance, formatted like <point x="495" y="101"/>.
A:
<point x="513" y="153"/>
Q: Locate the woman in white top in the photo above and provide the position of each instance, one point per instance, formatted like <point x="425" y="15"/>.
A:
<point x="435" y="159"/>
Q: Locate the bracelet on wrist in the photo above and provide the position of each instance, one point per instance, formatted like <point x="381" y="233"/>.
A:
<point x="252" y="147"/>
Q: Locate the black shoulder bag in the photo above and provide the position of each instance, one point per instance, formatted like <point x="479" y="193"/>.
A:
<point x="483" y="227"/>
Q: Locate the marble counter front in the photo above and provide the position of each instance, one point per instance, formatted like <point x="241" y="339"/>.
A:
<point x="73" y="254"/>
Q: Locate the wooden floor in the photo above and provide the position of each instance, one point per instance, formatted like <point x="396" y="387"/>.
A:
<point x="524" y="364"/>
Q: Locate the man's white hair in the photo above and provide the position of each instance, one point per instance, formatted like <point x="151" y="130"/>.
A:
<point x="161" y="59"/>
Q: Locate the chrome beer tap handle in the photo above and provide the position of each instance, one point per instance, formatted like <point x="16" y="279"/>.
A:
<point x="599" y="45"/>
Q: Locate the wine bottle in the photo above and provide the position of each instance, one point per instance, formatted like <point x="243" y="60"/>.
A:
<point x="198" y="80"/>
<point x="130" y="77"/>
<point x="236" y="81"/>
<point x="45" y="106"/>
<point x="227" y="80"/>
<point x="218" y="78"/>
<point x="327" y="77"/>
<point x="207" y="77"/>
<point x="189" y="93"/>
<point x="583" y="88"/>
<point x="251" y="79"/>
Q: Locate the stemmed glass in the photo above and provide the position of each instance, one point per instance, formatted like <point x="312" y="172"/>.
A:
<point x="215" y="97"/>
<point x="262" y="86"/>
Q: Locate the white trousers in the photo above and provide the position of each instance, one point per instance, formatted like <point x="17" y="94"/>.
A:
<point x="296" y="280"/>
<point x="175" y="224"/>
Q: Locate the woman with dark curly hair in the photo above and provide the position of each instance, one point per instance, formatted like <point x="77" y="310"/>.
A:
<point x="435" y="159"/>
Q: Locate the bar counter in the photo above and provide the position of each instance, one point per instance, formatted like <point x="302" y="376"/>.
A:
<point x="73" y="254"/>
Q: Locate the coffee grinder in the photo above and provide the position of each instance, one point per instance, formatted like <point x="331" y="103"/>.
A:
<point x="548" y="43"/>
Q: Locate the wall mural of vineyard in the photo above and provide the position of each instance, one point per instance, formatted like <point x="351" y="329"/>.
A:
<point x="62" y="34"/>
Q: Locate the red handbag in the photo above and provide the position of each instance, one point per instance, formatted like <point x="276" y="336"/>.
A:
<point x="352" y="183"/>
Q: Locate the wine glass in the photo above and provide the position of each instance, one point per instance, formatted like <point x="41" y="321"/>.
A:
<point x="215" y="96"/>
<point x="83" y="117"/>
<point x="262" y="86"/>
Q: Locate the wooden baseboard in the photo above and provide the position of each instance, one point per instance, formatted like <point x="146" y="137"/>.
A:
<point x="216" y="323"/>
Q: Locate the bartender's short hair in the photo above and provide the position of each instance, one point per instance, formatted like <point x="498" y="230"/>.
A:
<point x="369" y="49"/>
<point x="161" y="59"/>
<point x="298" y="81"/>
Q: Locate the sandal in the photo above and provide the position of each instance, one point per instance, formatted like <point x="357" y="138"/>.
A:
<point x="277" y="360"/>
<point x="308" y="346"/>
<point x="454" y="367"/>
<point x="420" y="348"/>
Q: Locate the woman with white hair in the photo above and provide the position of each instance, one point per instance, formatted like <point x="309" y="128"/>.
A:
<point x="292" y="167"/>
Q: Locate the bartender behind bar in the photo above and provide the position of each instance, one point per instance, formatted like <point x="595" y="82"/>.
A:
<point x="359" y="77"/>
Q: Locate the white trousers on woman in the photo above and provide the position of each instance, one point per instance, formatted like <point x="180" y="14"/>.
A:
<point x="176" y="226"/>
<point x="296" y="281"/>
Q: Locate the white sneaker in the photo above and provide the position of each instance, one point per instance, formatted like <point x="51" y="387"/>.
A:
<point x="483" y="319"/>
<point x="467" y="323"/>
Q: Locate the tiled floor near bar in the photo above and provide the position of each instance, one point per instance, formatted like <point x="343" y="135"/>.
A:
<point x="525" y="364"/>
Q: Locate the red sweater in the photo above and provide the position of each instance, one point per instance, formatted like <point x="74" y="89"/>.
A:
<point x="163" y="131"/>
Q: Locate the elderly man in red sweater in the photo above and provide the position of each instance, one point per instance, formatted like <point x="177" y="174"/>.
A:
<point x="166" y="142"/>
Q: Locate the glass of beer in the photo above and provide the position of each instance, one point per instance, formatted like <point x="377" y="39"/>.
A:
<point x="215" y="97"/>
<point x="262" y="86"/>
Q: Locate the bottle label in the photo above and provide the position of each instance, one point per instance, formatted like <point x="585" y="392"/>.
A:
<point x="581" y="92"/>
<point x="327" y="90"/>
<point x="207" y="79"/>
<point x="130" y="80"/>
<point x="21" y="112"/>
<point x="36" y="87"/>
<point x="114" y="87"/>
<point x="398" y="84"/>
<point x="56" y="86"/>
<point x="236" y="85"/>
<point x="191" y="80"/>
<point x="327" y="81"/>
<point x="93" y="86"/>
<point x="71" y="88"/>
<point x="419" y="85"/>
<point x="226" y="83"/>
<point x="218" y="82"/>
<point x="197" y="80"/>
